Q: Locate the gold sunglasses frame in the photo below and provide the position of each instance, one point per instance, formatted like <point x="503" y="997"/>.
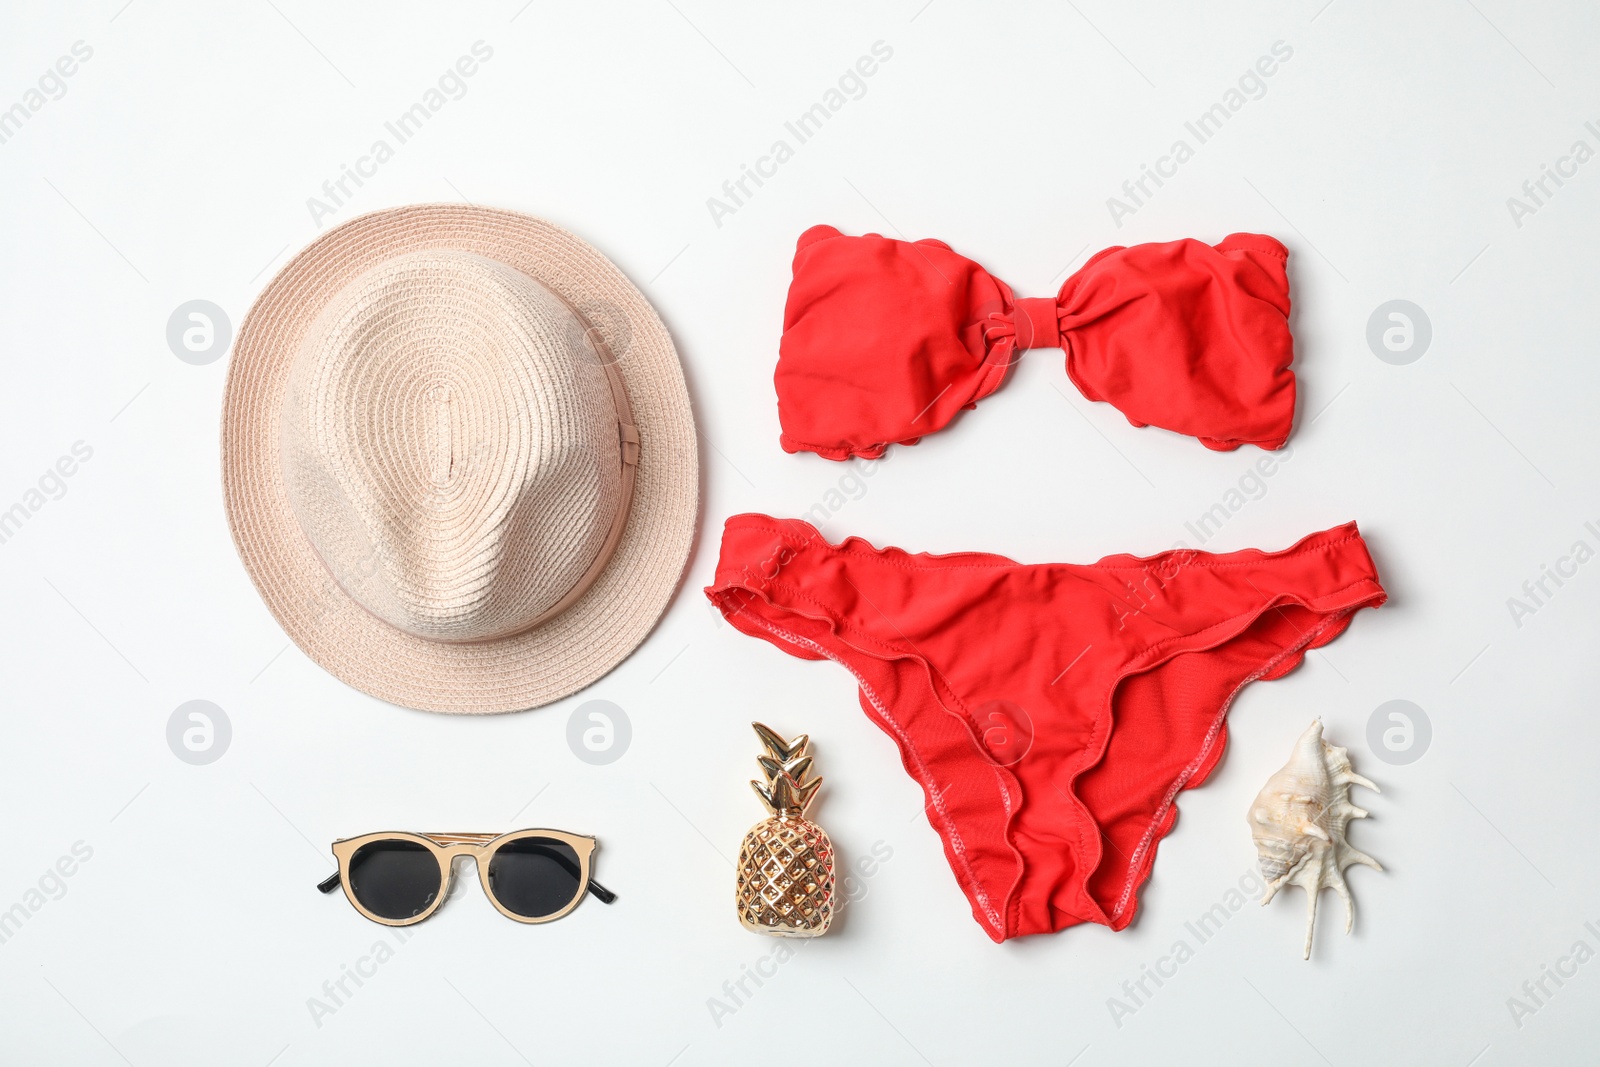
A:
<point x="481" y="847"/>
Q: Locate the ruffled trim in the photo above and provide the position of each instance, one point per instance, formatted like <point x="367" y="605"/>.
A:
<point x="841" y="452"/>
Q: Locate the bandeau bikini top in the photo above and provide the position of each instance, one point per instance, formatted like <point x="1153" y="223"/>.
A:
<point x="884" y="341"/>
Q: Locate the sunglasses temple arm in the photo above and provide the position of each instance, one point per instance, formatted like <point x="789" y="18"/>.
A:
<point x="329" y="884"/>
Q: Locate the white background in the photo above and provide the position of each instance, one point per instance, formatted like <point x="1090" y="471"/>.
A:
<point x="177" y="166"/>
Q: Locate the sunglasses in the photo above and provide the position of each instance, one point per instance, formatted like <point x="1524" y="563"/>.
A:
<point x="532" y="876"/>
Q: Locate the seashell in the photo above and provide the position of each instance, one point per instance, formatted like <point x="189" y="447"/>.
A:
<point x="1299" y="820"/>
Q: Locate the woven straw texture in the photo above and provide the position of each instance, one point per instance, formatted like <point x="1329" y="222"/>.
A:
<point x="407" y="411"/>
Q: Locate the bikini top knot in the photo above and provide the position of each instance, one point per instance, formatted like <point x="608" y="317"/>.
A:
<point x="1033" y="322"/>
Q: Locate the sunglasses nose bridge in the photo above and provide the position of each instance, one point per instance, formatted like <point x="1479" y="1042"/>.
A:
<point x="454" y="857"/>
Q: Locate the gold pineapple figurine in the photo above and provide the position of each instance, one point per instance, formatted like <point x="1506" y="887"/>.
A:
<point x="786" y="862"/>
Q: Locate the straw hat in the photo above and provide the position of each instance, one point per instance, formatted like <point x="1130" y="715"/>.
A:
<point x="458" y="458"/>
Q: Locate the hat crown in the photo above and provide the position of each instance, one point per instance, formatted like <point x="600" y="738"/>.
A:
<point x="450" y="445"/>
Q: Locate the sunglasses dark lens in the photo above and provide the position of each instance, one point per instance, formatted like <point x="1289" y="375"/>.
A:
<point x="535" y="876"/>
<point x="395" y="879"/>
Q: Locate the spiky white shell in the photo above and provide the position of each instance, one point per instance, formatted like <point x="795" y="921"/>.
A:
<point x="1299" y="821"/>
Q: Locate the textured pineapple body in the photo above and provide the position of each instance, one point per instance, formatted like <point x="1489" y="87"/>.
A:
<point x="786" y="878"/>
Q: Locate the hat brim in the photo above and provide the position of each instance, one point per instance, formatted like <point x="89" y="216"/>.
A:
<point x="553" y="660"/>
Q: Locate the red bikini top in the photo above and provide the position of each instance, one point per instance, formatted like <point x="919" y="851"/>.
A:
<point x="885" y="340"/>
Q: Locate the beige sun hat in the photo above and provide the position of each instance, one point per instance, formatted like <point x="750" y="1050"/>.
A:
<point x="458" y="458"/>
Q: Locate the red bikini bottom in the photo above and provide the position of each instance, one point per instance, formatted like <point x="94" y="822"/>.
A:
<point x="1052" y="712"/>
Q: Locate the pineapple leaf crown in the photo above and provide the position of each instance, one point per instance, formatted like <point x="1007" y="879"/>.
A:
<point x="785" y="767"/>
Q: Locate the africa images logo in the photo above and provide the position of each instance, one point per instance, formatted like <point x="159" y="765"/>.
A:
<point x="50" y="86"/>
<point x="1251" y="85"/>
<point x="51" y="485"/>
<point x="1539" y="191"/>
<point x="851" y="85"/>
<point x="450" y="85"/>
